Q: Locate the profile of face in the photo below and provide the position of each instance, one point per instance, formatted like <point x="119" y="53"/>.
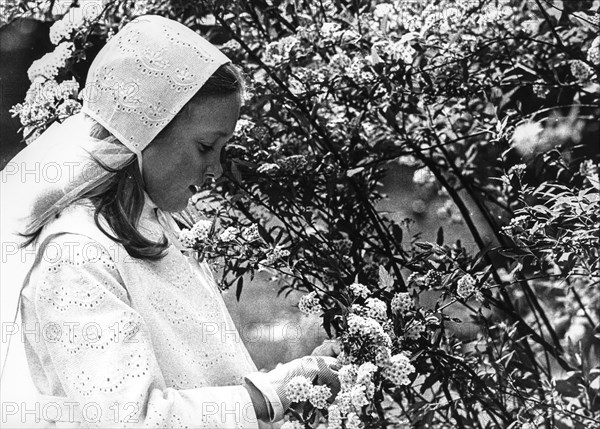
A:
<point x="187" y="153"/>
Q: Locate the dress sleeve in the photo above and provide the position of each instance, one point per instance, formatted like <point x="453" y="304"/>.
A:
<point x="100" y="350"/>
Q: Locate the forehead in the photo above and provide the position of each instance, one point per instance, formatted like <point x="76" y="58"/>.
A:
<point x="217" y="114"/>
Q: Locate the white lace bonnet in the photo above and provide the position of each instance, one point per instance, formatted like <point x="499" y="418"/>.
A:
<point x="144" y="75"/>
<point x="138" y="82"/>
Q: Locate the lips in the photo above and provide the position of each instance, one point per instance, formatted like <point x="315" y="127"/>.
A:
<point x="207" y="185"/>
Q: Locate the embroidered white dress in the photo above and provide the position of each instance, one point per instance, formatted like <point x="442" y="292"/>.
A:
<point x="114" y="341"/>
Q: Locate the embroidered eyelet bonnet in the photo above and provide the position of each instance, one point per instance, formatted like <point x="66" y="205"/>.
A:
<point x="144" y="75"/>
<point x="136" y="85"/>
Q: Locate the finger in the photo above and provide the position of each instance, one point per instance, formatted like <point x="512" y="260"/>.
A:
<point x="326" y="349"/>
<point x="317" y="351"/>
<point x="332" y="363"/>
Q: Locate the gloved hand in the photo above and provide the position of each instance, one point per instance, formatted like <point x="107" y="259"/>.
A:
<point x="327" y="348"/>
<point x="323" y="367"/>
<point x="273" y="384"/>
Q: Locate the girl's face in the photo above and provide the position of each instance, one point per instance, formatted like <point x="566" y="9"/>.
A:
<point x="188" y="152"/>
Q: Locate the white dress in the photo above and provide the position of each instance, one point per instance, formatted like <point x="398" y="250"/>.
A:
<point x="113" y="341"/>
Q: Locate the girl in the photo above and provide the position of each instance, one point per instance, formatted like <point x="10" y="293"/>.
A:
<point x="119" y="325"/>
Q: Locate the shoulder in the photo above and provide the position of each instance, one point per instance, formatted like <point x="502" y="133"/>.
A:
<point x="76" y="234"/>
<point x="72" y="269"/>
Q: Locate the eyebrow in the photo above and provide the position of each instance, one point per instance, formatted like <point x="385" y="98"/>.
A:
<point x="219" y="133"/>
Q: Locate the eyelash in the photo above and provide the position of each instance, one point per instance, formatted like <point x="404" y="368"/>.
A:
<point x="204" y="147"/>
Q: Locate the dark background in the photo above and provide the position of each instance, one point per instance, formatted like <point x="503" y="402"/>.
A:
<point x="21" y="42"/>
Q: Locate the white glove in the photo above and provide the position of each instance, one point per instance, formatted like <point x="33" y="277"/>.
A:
<point x="322" y="367"/>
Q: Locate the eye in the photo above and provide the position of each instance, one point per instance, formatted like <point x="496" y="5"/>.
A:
<point x="204" y="147"/>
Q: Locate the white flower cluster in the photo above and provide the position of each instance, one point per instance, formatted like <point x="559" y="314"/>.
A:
<point x="376" y="309"/>
<point x="353" y="421"/>
<point x="448" y="211"/>
<point x="243" y="127"/>
<point x="318" y="396"/>
<point x="515" y="225"/>
<point x="399" y="370"/>
<point x="334" y="417"/>
<point x="347" y="374"/>
<point x="400" y="49"/>
<point x="229" y="234"/>
<point x="518" y="169"/>
<point x="329" y="30"/>
<point x="580" y="70"/>
<point x="196" y="235"/>
<point x="62" y="29"/>
<point x="383" y="357"/>
<point x="276" y="254"/>
<point x="251" y="233"/>
<point x="51" y="91"/>
<point x="433" y="278"/>
<point x="414" y="330"/>
<point x="68" y="108"/>
<point x="593" y="53"/>
<point x="268" y="168"/>
<point x="31" y="113"/>
<point x="423" y="176"/>
<point x="49" y="65"/>
<point x="383" y="10"/>
<point x="309" y="33"/>
<point x="368" y="328"/>
<point x="340" y="62"/>
<point x="280" y="50"/>
<point x="526" y="137"/>
<point x="44" y="100"/>
<point x="201" y="229"/>
<point x="364" y="373"/>
<point x="590" y="171"/>
<point x="356" y="390"/>
<point x="186" y="238"/>
<point x="293" y="163"/>
<point x="358" y="396"/>
<point x="358" y="325"/>
<point x="359" y="290"/>
<point x="309" y="304"/>
<point x="359" y="70"/>
<point x="466" y="286"/>
<point x="402" y="302"/>
<point x="232" y="45"/>
<point x="300" y="389"/>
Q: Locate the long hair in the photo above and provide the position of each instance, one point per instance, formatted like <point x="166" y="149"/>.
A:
<point x="120" y="198"/>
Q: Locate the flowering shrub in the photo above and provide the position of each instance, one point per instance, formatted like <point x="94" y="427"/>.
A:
<point x="494" y="104"/>
<point x="221" y="245"/>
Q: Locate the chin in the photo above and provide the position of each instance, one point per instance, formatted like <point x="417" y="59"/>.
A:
<point x="172" y="205"/>
<point x="177" y="207"/>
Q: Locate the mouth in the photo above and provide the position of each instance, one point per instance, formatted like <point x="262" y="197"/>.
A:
<point x="206" y="186"/>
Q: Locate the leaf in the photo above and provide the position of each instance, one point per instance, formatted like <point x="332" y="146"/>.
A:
<point x="238" y="288"/>
<point x="386" y="280"/>
<point x="354" y="171"/>
<point x="429" y="382"/>
<point x="397" y="232"/>
<point x="440" y="236"/>
<point x="569" y="385"/>
<point x="235" y="171"/>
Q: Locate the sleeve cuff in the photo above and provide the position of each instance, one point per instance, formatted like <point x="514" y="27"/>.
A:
<point x="260" y="381"/>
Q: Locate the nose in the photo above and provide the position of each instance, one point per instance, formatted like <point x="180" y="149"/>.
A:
<point x="213" y="170"/>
